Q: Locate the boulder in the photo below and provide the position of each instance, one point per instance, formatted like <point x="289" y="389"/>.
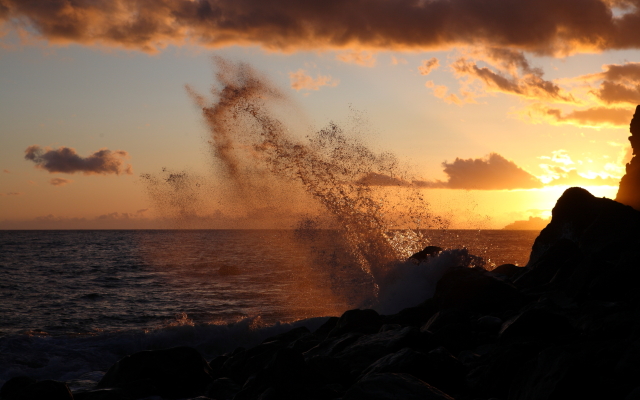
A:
<point x="363" y="321"/>
<point x="173" y="373"/>
<point x="25" y="388"/>
<point x="425" y="253"/>
<point x="474" y="289"/>
<point x="390" y="386"/>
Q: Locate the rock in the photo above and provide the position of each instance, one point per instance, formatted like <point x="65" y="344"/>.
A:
<point x="629" y="189"/>
<point x="369" y="348"/>
<point x="538" y="325"/>
<point x="423" y="254"/>
<point x="507" y="270"/>
<point x="325" y="328"/>
<point x="568" y="372"/>
<point x="363" y="321"/>
<point x="13" y="386"/>
<point x="103" y="394"/>
<point x="25" y="388"/>
<point x="288" y="337"/>
<point x="390" y="386"/>
<point x="223" y="389"/>
<point x="438" y="368"/>
<point x="474" y="289"/>
<point x="284" y="376"/>
<point x="174" y="373"/>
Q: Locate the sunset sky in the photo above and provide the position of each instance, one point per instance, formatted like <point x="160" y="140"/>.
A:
<point x="492" y="107"/>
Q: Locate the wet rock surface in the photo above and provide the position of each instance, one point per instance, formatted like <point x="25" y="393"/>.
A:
<point x="565" y="326"/>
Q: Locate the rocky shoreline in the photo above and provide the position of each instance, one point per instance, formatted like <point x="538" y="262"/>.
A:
<point x="565" y="326"/>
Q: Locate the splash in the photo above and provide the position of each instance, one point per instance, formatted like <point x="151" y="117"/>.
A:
<point x="257" y="152"/>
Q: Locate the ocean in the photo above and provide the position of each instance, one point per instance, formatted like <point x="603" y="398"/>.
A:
<point x="74" y="302"/>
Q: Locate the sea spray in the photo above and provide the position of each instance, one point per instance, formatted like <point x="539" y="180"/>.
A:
<point x="375" y="215"/>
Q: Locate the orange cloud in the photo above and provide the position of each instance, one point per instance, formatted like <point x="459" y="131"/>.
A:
<point x="11" y="194"/>
<point x="428" y="66"/>
<point x="493" y="172"/>
<point x="60" y="181"/>
<point x="530" y="85"/>
<point x="571" y="177"/>
<point x="66" y="160"/>
<point x="300" y="80"/>
<point x="361" y="58"/>
<point x="590" y="117"/>
<point x="539" y="26"/>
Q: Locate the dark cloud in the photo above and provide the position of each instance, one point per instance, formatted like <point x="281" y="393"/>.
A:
<point x="59" y="181"/>
<point x="530" y="85"/>
<point x="66" y="160"/>
<point x="491" y="173"/>
<point x="620" y="84"/>
<point x="428" y="66"/>
<point x="540" y="26"/>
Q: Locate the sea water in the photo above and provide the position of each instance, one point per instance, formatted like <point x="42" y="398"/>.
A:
<point x="74" y="302"/>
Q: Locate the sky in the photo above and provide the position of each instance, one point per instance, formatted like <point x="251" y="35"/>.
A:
<point x="489" y="109"/>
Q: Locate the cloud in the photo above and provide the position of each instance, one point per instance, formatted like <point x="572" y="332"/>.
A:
<point x="361" y="58"/>
<point x="300" y="80"/>
<point x="539" y="26"/>
<point x="573" y="178"/>
<point x="493" y="172"/>
<point x="619" y="83"/>
<point x="66" y="160"/>
<point x="6" y="171"/>
<point x="590" y="117"/>
<point x="428" y="66"/>
<point x="398" y="60"/>
<point x="11" y="194"/>
<point x="530" y="85"/>
<point x="59" y="181"/>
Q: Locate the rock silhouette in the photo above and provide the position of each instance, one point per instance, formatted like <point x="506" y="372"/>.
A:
<point x="629" y="190"/>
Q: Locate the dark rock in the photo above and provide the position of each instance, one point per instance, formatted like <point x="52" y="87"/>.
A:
<point x="305" y="342"/>
<point x="103" y="394"/>
<point x="562" y="373"/>
<point x="423" y="254"/>
<point x="14" y="386"/>
<point x="286" y="373"/>
<point x="413" y="316"/>
<point x="633" y="395"/>
<point x="508" y="270"/>
<point x="629" y="190"/>
<point x="390" y="386"/>
<point x="474" y="289"/>
<point x="369" y="348"/>
<point x="288" y="337"/>
<point x="453" y="329"/>
<point x="437" y="368"/>
<point x="331" y="370"/>
<point x="332" y="345"/>
<point x="173" y="373"/>
<point x="248" y="362"/>
<point x="325" y="328"/>
<point x="537" y="324"/>
<point x="363" y="321"/>
<point x="24" y="388"/>
<point x="562" y="257"/>
<point x="217" y="365"/>
<point x="497" y="369"/>
<point x="223" y="389"/>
